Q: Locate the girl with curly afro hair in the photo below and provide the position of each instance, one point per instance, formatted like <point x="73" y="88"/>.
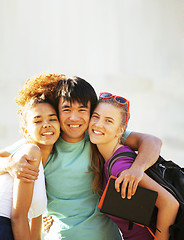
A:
<point x="24" y="202"/>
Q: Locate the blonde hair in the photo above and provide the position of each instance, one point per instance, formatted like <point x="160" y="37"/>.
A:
<point x="97" y="161"/>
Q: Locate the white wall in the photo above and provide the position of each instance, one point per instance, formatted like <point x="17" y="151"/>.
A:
<point x="129" y="47"/>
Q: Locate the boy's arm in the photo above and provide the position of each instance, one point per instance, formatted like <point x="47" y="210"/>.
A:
<point x="148" y="148"/>
<point x="4" y="161"/>
<point x="20" y="168"/>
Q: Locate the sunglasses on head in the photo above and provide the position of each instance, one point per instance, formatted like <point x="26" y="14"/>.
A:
<point x="118" y="99"/>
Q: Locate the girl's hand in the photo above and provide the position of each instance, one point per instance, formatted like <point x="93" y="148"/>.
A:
<point x="130" y="179"/>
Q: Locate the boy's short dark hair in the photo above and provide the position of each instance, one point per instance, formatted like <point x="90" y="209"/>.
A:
<point x="76" y="89"/>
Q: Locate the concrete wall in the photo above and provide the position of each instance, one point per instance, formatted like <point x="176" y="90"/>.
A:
<point x="129" y="47"/>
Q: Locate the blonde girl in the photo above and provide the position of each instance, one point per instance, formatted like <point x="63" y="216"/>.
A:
<point x="107" y="124"/>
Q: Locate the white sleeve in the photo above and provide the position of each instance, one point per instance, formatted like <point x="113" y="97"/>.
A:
<point x="12" y="148"/>
<point x="39" y="200"/>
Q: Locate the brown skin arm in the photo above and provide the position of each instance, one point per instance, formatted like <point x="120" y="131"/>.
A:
<point x="22" y="198"/>
<point x="35" y="228"/>
<point x="20" y="168"/>
<point x="148" y="148"/>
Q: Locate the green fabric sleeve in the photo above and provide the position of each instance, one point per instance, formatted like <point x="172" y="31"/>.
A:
<point x="125" y="135"/>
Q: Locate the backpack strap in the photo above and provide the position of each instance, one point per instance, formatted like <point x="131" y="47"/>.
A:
<point x="117" y="156"/>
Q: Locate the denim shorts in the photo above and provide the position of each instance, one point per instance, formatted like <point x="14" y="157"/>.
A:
<point x="6" y="229"/>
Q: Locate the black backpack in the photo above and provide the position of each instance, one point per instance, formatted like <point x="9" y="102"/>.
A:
<point x="170" y="176"/>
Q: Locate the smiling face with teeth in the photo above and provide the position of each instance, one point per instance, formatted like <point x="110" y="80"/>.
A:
<point x="105" y="126"/>
<point x="74" y="120"/>
<point x="42" y="126"/>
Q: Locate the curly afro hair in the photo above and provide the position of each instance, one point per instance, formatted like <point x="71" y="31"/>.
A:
<point x="37" y="89"/>
<point x="34" y="87"/>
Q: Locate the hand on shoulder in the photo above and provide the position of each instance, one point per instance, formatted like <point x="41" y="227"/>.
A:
<point x="24" y="163"/>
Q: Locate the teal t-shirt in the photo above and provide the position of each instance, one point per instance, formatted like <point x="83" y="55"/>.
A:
<point x="71" y="201"/>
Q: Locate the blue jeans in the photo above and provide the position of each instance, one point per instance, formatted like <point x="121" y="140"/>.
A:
<point x="6" y="229"/>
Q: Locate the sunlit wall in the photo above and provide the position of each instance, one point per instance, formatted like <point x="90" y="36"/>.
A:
<point x="133" y="48"/>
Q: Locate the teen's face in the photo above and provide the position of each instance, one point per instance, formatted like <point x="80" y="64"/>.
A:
<point x="42" y="124"/>
<point x="74" y="120"/>
<point x="105" y="124"/>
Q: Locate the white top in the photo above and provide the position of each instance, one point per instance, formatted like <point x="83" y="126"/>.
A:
<point x="39" y="200"/>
